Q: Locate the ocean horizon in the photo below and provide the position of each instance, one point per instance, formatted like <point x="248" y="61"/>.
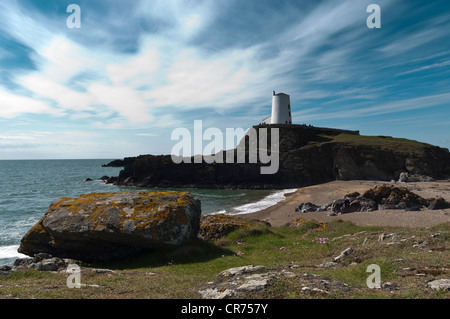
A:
<point x="28" y="187"/>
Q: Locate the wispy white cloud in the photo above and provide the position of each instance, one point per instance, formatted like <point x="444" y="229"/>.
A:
<point x="384" y="108"/>
<point x="12" y="105"/>
<point x="66" y="98"/>
<point x="426" y="67"/>
<point x="410" y="42"/>
<point x="157" y="70"/>
<point x="146" y="134"/>
<point x="108" y="125"/>
<point x="17" y="137"/>
<point x="167" y="73"/>
<point x="136" y="71"/>
<point x="77" y="134"/>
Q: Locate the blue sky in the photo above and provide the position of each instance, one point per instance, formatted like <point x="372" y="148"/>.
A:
<point x="137" y="70"/>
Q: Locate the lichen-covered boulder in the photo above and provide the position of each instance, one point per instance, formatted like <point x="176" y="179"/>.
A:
<point x="103" y="226"/>
<point x="217" y="226"/>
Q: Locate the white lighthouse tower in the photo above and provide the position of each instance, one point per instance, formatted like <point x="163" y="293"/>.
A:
<point x="281" y="110"/>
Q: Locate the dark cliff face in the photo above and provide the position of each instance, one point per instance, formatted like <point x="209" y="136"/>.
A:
<point x="307" y="155"/>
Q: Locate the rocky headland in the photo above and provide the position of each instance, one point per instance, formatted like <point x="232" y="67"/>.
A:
<point x="307" y="155"/>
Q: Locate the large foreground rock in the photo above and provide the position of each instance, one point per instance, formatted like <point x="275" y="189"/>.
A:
<point x="103" y="226"/>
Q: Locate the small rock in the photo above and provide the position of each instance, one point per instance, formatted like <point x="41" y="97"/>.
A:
<point x="58" y="261"/>
<point x="343" y="254"/>
<point x="399" y="260"/>
<point x="384" y="236"/>
<point x="241" y="270"/>
<point x="389" y="286"/>
<point x="307" y="207"/>
<point x="340" y="237"/>
<point x="327" y="264"/>
<point x="310" y="276"/>
<point x="22" y="261"/>
<point x="419" y="178"/>
<point x="421" y="244"/>
<point x="236" y="280"/>
<point x="216" y="294"/>
<point x="438" y="203"/>
<point x="317" y="291"/>
<point x="306" y="289"/>
<point x="365" y="241"/>
<point x="287" y="273"/>
<point x="440" y="284"/>
<point x="5" y="268"/>
<point x="92" y="286"/>
<point x="52" y="264"/>
<point x="403" y="178"/>
<point x="253" y="285"/>
<point x="22" y="264"/>
<point x="103" y="271"/>
<point x="46" y="265"/>
<point x="314" y="291"/>
<point x="42" y="256"/>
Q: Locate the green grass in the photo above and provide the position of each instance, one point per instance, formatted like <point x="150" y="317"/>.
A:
<point x="177" y="273"/>
<point x="391" y="143"/>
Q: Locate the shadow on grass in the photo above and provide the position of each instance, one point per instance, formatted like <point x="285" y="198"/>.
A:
<point x="194" y="251"/>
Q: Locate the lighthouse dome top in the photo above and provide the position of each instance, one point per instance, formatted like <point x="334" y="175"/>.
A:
<point x="279" y="93"/>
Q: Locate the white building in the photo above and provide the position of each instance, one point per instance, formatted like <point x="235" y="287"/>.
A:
<point x="281" y="110"/>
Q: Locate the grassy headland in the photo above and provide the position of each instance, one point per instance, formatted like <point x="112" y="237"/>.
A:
<point x="382" y="142"/>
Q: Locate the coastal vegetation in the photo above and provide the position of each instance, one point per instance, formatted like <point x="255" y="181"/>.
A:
<point x="381" y="142"/>
<point x="409" y="258"/>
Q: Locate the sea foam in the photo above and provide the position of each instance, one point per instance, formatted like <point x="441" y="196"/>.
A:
<point x="7" y="252"/>
<point x="264" y="203"/>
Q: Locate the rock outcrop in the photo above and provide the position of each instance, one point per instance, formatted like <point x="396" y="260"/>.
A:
<point x="217" y="226"/>
<point x="307" y="155"/>
<point x="235" y="281"/>
<point x="380" y="197"/>
<point x="240" y="281"/>
<point x="104" y="226"/>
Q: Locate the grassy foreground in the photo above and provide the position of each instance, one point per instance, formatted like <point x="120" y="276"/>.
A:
<point x="409" y="258"/>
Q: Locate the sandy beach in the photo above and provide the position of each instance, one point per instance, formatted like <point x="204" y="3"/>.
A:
<point x="321" y="194"/>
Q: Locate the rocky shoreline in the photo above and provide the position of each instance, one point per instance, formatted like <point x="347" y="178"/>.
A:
<point x="307" y="156"/>
<point x="382" y="197"/>
<point x="325" y="193"/>
<point x="40" y="262"/>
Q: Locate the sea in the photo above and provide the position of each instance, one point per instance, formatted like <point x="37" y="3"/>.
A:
<point x="28" y="187"/>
